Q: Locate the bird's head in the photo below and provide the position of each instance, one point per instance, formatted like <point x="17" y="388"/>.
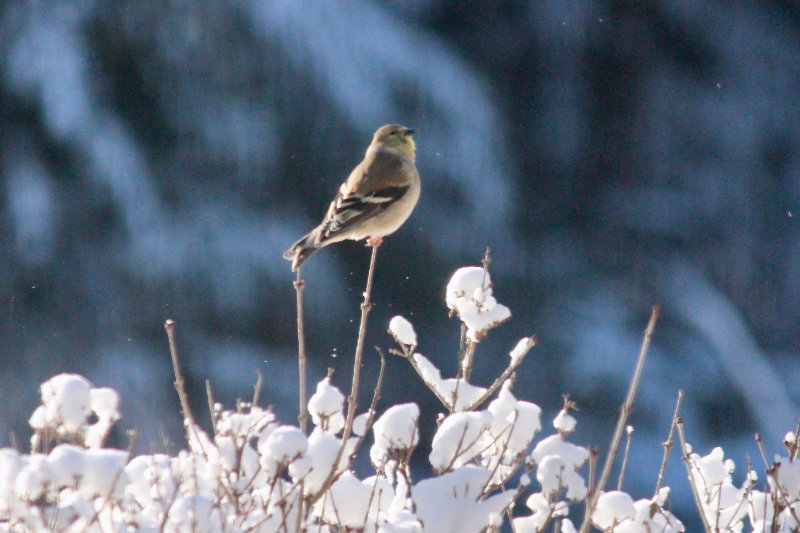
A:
<point x="395" y="137"/>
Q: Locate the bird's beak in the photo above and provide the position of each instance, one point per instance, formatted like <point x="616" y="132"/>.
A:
<point x="409" y="132"/>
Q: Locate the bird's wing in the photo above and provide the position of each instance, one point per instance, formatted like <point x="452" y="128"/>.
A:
<point x="374" y="185"/>
<point x="350" y="209"/>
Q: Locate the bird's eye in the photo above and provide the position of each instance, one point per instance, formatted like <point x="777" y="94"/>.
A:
<point x="393" y="132"/>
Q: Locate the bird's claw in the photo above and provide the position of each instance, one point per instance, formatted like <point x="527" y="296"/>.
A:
<point x="374" y="241"/>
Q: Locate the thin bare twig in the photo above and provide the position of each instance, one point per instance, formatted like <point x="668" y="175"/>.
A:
<point x="593" y="456"/>
<point x="502" y="377"/>
<point x="785" y="500"/>
<point x="376" y="395"/>
<point x="352" y="399"/>
<point x="796" y="444"/>
<point x="169" y="325"/>
<point x="434" y="390"/>
<point x="257" y="386"/>
<point x="211" y="410"/>
<point x="466" y="365"/>
<point x="366" y="307"/>
<point x="302" y="416"/>
<point x="760" y="444"/>
<point x="448" y="402"/>
<point x="669" y="443"/>
<point x="688" y="462"/>
<point x="625" y="410"/>
<point x="628" y="434"/>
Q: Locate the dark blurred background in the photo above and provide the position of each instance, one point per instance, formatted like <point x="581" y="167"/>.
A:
<point x="156" y="158"/>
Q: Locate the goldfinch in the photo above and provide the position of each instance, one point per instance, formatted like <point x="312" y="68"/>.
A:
<point x="374" y="201"/>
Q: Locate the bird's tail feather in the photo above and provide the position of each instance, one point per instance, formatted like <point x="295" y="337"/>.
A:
<point x="301" y="250"/>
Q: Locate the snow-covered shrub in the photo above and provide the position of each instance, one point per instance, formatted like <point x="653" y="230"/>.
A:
<point x="254" y="474"/>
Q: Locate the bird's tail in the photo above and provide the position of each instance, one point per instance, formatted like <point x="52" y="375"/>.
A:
<point x="302" y="250"/>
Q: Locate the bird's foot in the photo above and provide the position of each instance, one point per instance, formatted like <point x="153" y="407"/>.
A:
<point x="374" y="241"/>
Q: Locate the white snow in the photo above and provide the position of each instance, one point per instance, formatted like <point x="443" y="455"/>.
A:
<point x="351" y="503"/>
<point x="447" y="503"/>
<point x="67" y="402"/>
<point x="520" y="350"/>
<point x="573" y="455"/>
<point x="458" y="439"/>
<point x="466" y="393"/>
<point x="360" y="424"/>
<point x="564" y="422"/>
<point x="105" y="402"/>
<point x="469" y="294"/>
<point x="402" y="331"/>
<point x="280" y="447"/>
<point x="325" y="407"/>
<point x="396" y="430"/>
<point x="315" y="465"/>
<point x="612" y="508"/>
<point x="514" y="424"/>
<point x="543" y="511"/>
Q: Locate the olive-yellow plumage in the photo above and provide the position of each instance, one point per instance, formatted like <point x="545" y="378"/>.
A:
<point x="374" y="201"/>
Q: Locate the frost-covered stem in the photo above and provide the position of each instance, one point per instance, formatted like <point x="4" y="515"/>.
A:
<point x="742" y="501"/>
<point x="462" y="343"/>
<point x="624" y="411"/>
<point x="169" y="503"/>
<point x="593" y="455"/>
<point x="371" y="499"/>
<point x="785" y="500"/>
<point x="468" y="354"/>
<point x="520" y="488"/>
<point x="669" y="443"/>
<point x="257" y="386"/>
<point x="169" y="325"/>
<point x="459" y="451"/>
<point x="501" y="454"/>
<point x="300" y="504"/>
<point x="132" y="434"/>
<point x="432" y="388"/>
<point x="466" y="364"/>
<point x="503" y="377"/>
<point x="629" y="435"/>
<point x="688" y="462"/>
<point x="211" y="410"/>
<point x="486" y="261"/>
<point x="796" y="444"/>
<point x="302" y="413"/>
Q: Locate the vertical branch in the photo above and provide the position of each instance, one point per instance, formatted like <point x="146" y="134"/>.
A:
<point x="211" y="410"/>
<point x="169" y="325"/>
<point x="629" y="434"/>
<point x="352" y="399"/>
<point x="257" y="386"/>
<point x="366" y="306"/>
<point x="795" y="446"/>
<point x="176" y="368"/>
<point x="466" y="364"/>
<point x="669" y="443"/>
<point x="302" y="415"/>
<point x="624" y="411"/>
<point x="687" y="460"/>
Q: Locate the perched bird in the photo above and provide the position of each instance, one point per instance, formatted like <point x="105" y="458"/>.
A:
<point x="374" y="201"/>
